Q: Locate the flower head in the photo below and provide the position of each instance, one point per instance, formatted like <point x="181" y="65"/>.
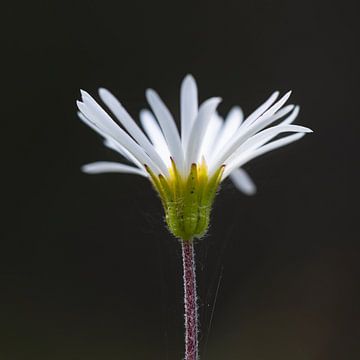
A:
<point x="186" y="168"/>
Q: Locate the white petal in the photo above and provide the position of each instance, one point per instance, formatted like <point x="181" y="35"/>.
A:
<point x="114" y="145"/>
<point x="244" y="133"/>
<point x="211" y="136"/>
<point x="155" y="134"/>
<point x="278" y="105"/>
<point x="85" y="120"/>
<point x="229" y="128"/>
<point x="206" y="111"/>
<point x="261" y="138"/>
<point x="270" y="116"/>
<point x="243" y="181"/>
<point x="249" y="155"/>
<point x="287" y="121"/>
<point x="235" y="117"/>
<point x="264" y="120"/>
<point x="168" y="127"/>
<point x="103" y="121"/>
<point x="231" y="124"/>
<point x="188" y="107"/>
<point x="292" y="116"/>
<point x="261" y="109"/>
<point x="264" y="136"/>
<point x="106" y="167"/>
<point x="129" y="124"/>
<point x="110" y="142"/>
<point x="282" y="112"/>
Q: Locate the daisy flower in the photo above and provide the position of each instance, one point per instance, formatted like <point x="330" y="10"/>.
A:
<point x="186" y="165"/>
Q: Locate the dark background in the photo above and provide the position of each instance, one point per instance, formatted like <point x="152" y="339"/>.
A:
<point x="87" y="268"/>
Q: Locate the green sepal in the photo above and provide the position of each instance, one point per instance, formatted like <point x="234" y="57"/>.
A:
<point x="206" y="200"/>
<point x="157" y="185"/>
<point x="187" y="202"/>
<point x="191" y="203"/>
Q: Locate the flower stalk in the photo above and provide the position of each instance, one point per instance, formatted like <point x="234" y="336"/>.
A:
<point x="190" y="301"/>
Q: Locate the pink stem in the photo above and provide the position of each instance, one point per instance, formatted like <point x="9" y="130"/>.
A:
<point x="190" y="301"/>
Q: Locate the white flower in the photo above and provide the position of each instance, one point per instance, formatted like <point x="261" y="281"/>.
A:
<point x="216" y="147"/>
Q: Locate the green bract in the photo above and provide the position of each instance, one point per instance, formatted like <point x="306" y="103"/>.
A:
<point x="187" y="201"/>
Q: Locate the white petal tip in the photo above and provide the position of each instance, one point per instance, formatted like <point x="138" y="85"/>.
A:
<point x="216" y="100"/>
<point x="189" y="79"/>
<point x="87" y="169"/>
<point x="250" y="192"/>
<point x="236" y="108"/>
<point x="212" y="103"/>
<point x="243" y="182"/>
<point x="143" y="112"/>
<point x="287" y="95"/>
<point x="81" y="116"/>
<point x="295" y="128"/>
<point x="103" y="91"/>
<point x="150" y="92"/>
<point x="83" y="93"/>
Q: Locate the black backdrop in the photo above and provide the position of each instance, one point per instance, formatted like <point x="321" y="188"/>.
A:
<point x="87" y="268"/>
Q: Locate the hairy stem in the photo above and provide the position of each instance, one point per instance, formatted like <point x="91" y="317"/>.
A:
<point x="190" y="301"/>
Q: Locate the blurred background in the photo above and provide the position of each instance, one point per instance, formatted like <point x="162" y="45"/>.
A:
<point x="87" y="267"/>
